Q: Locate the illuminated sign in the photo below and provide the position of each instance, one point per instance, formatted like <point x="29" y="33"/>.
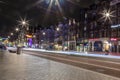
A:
<point x="115" y="26"/>
<point x="95" y="39"/>
<point x="29" y="36"/>
<point x="113" y="39"/>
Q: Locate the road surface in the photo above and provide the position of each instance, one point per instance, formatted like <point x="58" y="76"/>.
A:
<point x="29" y="67"/>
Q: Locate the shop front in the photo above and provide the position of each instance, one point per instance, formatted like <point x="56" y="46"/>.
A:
<point x="72" y="45"/>
<point x="82" y="45"/>
<point x="115" y="45"/>
<point x="99" y="44"/>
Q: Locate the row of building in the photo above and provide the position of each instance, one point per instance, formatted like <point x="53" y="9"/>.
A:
<point x="92" y="31"/>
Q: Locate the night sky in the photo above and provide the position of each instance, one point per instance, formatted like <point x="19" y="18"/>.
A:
<point x="35" y="11"/>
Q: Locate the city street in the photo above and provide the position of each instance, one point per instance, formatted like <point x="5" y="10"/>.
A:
<point x="59" y="39"/>
<point x="29" y="67"/>
<point x="109" y="66"/>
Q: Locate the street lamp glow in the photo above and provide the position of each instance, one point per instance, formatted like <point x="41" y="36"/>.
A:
<point x="107" y="14"/>
<point x="8" y="36"/>
<point x="58" y="29"/>
<point x="17" y="29"/>
<point x="11" y="34"/>
<point x="53" y="3"/>
<point x="34" y="36"/>
<point x="23" y="22"/>
<point x="43" y="33"/>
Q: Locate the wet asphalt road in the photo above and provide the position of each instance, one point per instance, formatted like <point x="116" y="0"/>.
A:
<point x="29" y="67"/>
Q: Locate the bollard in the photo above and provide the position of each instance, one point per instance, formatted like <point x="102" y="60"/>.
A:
<point x="19" y="50"/>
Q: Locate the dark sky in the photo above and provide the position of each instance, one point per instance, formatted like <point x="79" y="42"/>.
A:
<point x="33" y="10"/>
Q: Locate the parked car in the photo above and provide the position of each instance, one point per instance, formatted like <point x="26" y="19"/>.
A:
<point x="3" y="47"/>
<point x="12" y="49"/>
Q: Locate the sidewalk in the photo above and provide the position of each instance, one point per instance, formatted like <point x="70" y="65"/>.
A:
<point x="28" y="67"/>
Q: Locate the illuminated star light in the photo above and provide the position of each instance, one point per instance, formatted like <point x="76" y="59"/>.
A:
<point x="107" y="15"/>
<point x="51" y="4"/>
<point x="23" y="21"/>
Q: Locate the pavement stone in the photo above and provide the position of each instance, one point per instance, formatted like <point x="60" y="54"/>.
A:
<point x="28" y="67"/>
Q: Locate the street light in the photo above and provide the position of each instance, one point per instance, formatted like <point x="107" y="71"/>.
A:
<point x="23" y="30"/>
<point x="58" y="29"/>
<point x="8" y="37"/>
<point x="44" y="33"/>
<point x="34" y="36"/>
<point x="17" y="29"/>
<point x="44" y="39"/>
<point x="11" y="34"/>
<point x="23" y="22"/>
<point x="107" y="15"/>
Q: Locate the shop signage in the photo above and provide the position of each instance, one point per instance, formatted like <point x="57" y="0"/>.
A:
<point x="113" y="39"/>
<point x="94" y="39"/>
<point x="114" y="2"/>
<point x="29" y="36"/>
<point x="115" y="26"/>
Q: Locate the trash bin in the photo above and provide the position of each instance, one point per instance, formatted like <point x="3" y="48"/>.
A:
<point x="19" y="50"/>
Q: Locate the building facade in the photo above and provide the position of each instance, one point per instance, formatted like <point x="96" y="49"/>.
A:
<point x="92" y="31"/>
<point x="104" y="32"/>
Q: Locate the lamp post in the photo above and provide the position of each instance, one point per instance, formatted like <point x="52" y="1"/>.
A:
<point x="61" y="35"/>
<point x="23" y="30"/>
<point x="107" y="14"/>
<point x="44" y="36"/>
<point x="60" y="38"/>
<point x="44" y="40"/>
<point x="17" y="41"/>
